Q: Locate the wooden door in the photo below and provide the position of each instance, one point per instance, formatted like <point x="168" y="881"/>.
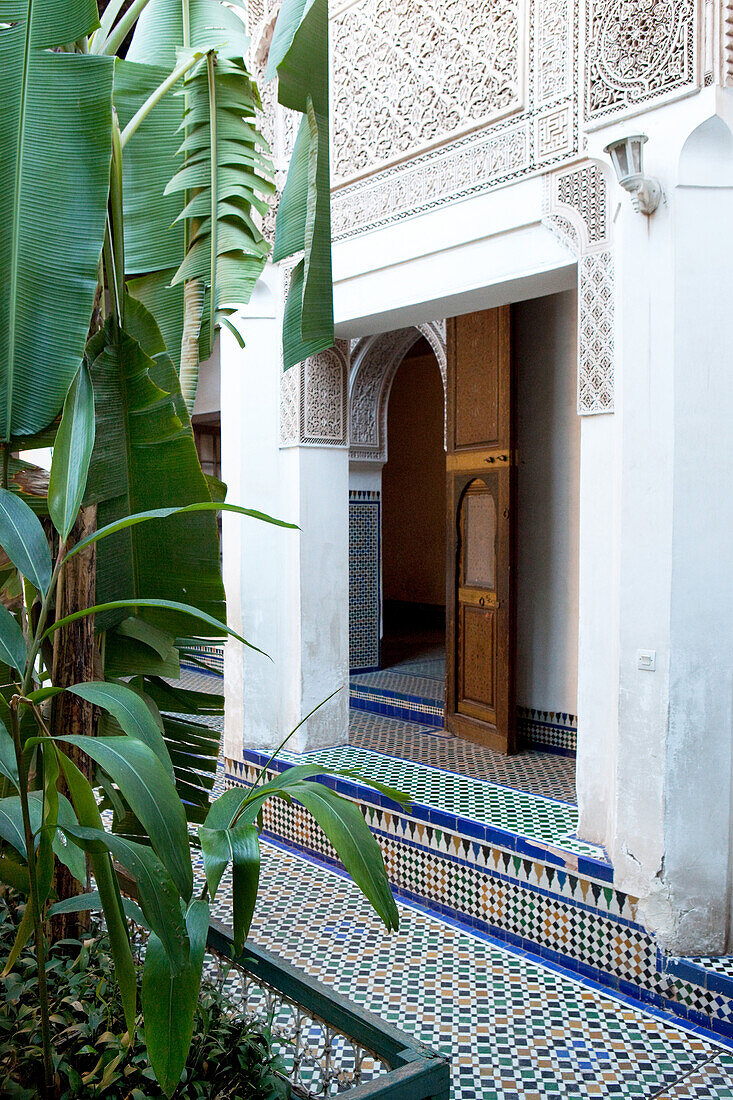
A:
<point x="480" y="599"/>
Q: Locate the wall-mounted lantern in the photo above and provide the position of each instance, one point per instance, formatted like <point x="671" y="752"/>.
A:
<point x="627" y="157"/>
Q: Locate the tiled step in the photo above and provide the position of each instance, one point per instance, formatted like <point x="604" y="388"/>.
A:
<point x="499" y="861"/>
<point x="714" y="973"/>
<point x="396" y="695"/>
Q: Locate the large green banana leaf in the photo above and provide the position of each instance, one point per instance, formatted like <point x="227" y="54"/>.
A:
<point x="55" y="149"/>
<point x="218" y="172"/>
<point x="145" y="457"/>
<point x="299" y="56"/>
<point x="160" y="31"/>
<point x="154" y="240"/>
<point x="223" y="170"/>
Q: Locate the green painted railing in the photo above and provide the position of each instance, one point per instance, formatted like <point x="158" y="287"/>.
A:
<point x="352" y="1044"/>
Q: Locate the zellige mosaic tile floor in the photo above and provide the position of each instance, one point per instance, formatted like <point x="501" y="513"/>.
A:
<point x="512" y="1027"/>
<point x="536" y="772"/>
<point x="528" y="815"/>
<point x="404" y="682"/>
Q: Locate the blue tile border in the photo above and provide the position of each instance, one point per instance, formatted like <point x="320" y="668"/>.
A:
<point x="400" y="707"/>
<point x="636" y="997"/>
<point x="553" y="854"/>
<point x="696" y="973"/>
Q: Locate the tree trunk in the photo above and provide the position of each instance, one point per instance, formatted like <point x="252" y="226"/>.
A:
<point x="74" y="661"/>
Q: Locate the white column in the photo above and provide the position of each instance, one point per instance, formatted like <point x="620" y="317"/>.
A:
<point x="287" y="590"/>
<point x="697" y="793"/>
<point x="597" y="627"/>
<point x="669" y="831"/>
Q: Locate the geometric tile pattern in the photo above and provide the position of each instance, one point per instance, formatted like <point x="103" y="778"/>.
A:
<point x="528" y="815"/>
<point x="541" y="904"/>
<point x="512" y="1026"/>
<point x="432" y="668"/>
<point x="714" y="1079"/>
<point x="587" y="925"/>
<point x="364" y="581"/>
<point x="210" y="655"/>
<point x="416" y="690"/>
<point x="549" y="730"/>
<point x="537" y="772"/>
<point x="404" y="683"/>
<point x="719" y="964"/>
<point x="584" y="925"/>
<point x="397" y="704"/>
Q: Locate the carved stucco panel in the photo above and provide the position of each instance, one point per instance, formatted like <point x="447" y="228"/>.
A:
<point x="314" y="400"/>
<point x="637" y="51"/>
<point x="410" y="73"/>
<point x="375" y="360"/>
<point x="576" y="210"/>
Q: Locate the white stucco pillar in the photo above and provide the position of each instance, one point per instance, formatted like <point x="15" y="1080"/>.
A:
<point x="287" y="590"/>
<point x="597" y="627"/>
<point x="669" y="832"/>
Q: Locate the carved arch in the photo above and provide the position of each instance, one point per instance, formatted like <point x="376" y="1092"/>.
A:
<point x="374" y="364"/>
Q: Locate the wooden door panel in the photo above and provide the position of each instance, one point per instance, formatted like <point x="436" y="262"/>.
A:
<point x="480" y="391"/>
<point x="480" y="643"/>
<point x="477" y="650"/>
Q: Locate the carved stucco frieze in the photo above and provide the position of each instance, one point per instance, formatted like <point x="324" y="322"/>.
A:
<point x="314" y="400"/>
<point x="374" y="363"/>
<point x="577" y="212"/>
<point x="418" y="96"/>
<point x="724" y="24"/>
<point x="637" y="51"/>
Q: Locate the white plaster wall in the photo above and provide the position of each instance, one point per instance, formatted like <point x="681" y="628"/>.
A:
<point x="323" y="518"/>
<point x="287" y="590"/>
<point x="482" y="252"/>
<point x="208" y="393"/>
<point x="666" y="812"/>
<point x="697" y="871"/>
<point x="365" y="476"/>
<point x="645" y="352"/>
<point x="598" y="612"/>
<point x="545" y="339"/>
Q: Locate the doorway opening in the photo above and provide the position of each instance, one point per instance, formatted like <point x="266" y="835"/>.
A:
<point x="465" y="542"/>
<point x="413" y="519"/>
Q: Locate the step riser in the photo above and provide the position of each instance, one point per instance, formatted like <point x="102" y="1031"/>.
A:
<point x="541" y="731"/>
<point x="545" y="906"/>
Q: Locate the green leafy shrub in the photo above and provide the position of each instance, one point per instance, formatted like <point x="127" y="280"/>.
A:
<point x="230" y="1057"/>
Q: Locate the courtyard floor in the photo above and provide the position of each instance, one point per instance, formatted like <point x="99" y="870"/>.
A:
<point x="514" y="1026"/>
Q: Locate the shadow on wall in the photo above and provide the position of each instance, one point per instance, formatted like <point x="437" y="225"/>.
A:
<point x="413" y="483"/>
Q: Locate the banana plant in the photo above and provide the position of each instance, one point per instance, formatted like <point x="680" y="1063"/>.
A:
<point x="155" y="183"/>
<point x="39" y="825"/>
<point x="110" y="298"/>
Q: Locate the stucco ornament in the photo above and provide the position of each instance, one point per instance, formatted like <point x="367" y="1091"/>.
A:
<point x="375" y="360"/>
<point x="313" y="400"/>
<point x="638" y="50"/>
<point x="576" y="210"/>
<point x="396" y="85"/>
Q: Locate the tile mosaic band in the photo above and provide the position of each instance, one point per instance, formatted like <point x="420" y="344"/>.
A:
<point x="518" y="892"/>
